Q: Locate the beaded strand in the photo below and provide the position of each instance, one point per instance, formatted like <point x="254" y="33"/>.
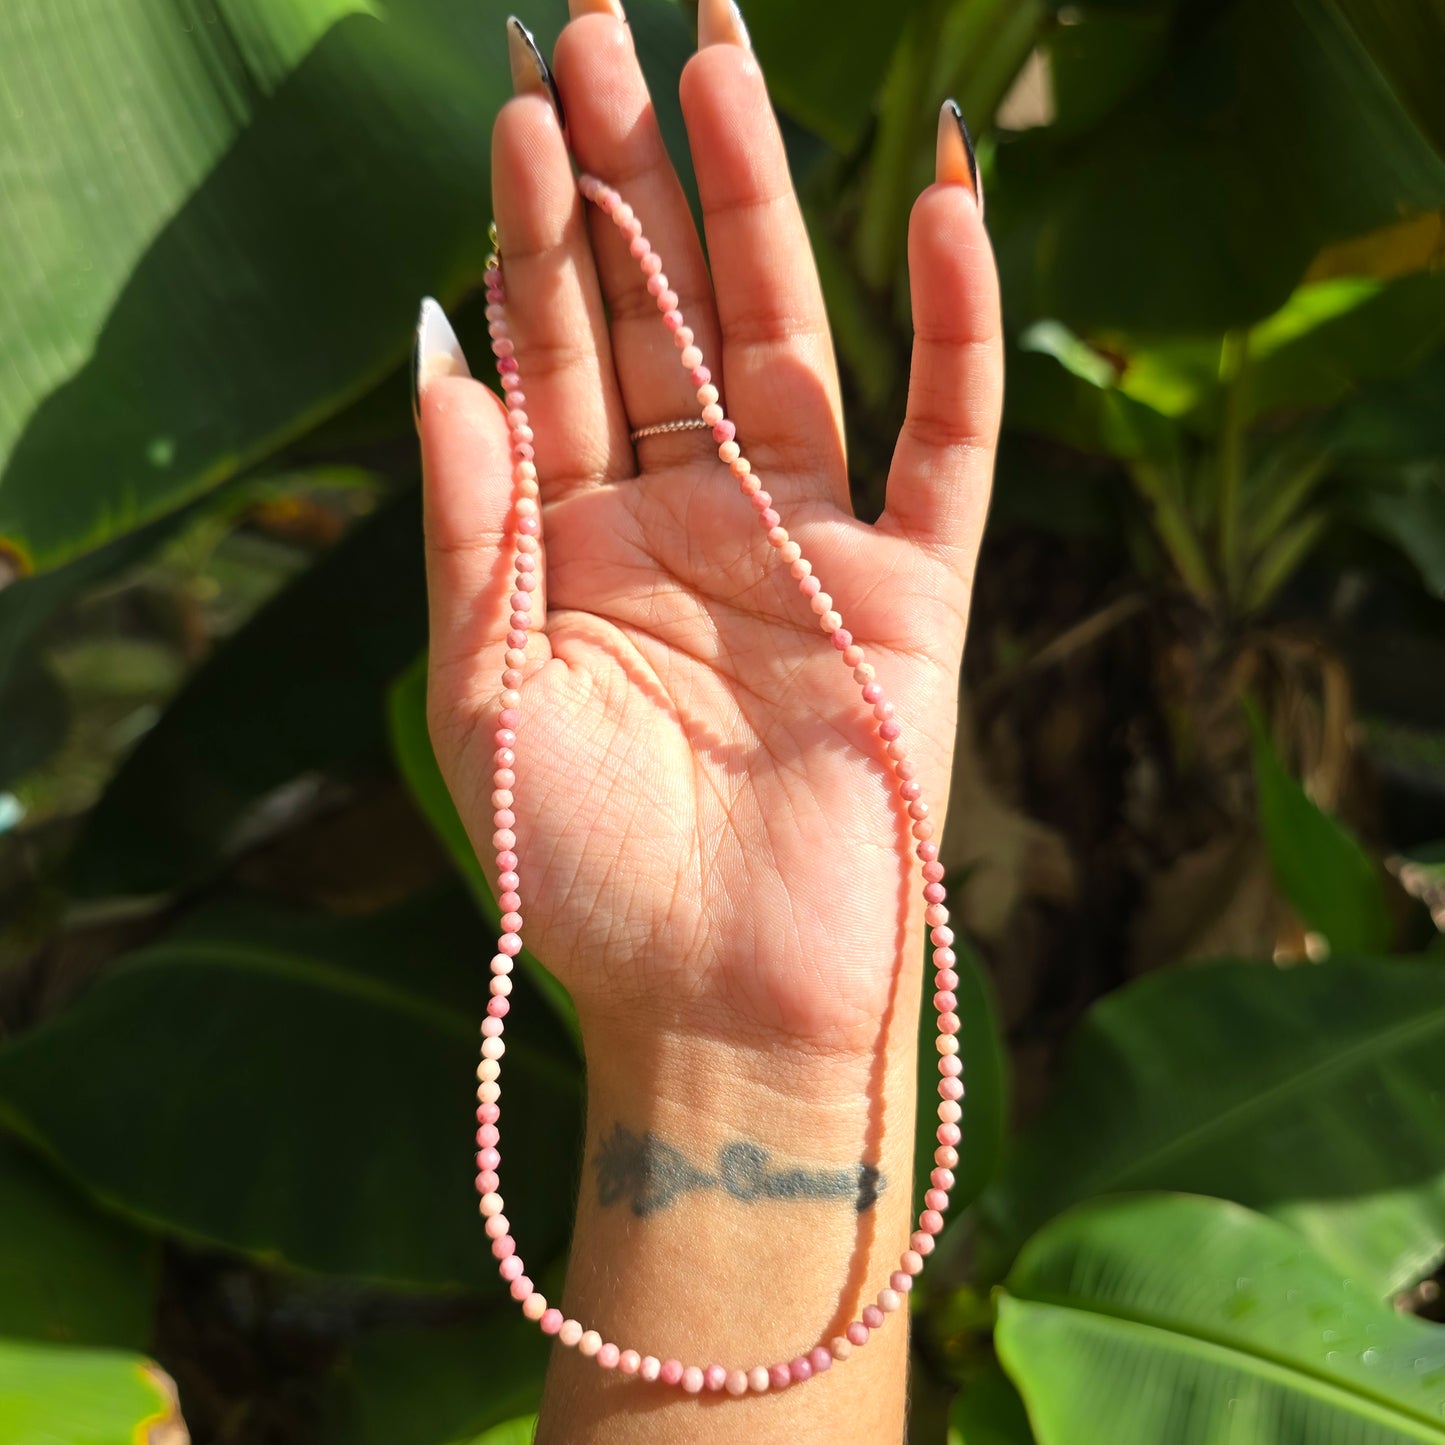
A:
<point x="526" y="528"/>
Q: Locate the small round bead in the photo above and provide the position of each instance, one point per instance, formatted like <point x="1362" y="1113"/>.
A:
<point x="946" y="978"/>
<point x="522" y="1288"/>
<point x="707" y="395"/>
<point x="497" y="1006"/>
<point x="931" y="1222"/>
<point x="857" y="1333"/>
<point x="840" y="1347"/>
<point x="945" y="1001"/>
<point x="497" y="1225"/>
<point x="503" y="1247"/>
<point x="853" y="656"/>
<point x="758" y="1380"/>
<point x="714" y="1377"/>
<point x="821" y="602"/>
<point x="691" y="357"/>
<point x="590" y="1343"/>
<point x="491" y="1204"/>
<point x="950" y="1088"/>
<point x="932" y="872"/>
<point x="800" y="1369"/>
<point x="570" y="1332"/>
<point x="671" y="1372"/>
<point x="502" y="963"/>
<point x="790" y="551"/>
<point x="780" y="1375"/>
<point x="629" y="1362"/>
<point x="873" y="1317"/>
<point x="890" y="731"/>
<point x="842" y="639"/>
<point x="936" y="1199"/>
<point x="489" y="1091"/>
<point x="949" y="1023"/>
<point x="942" y="1179"/>
<point x="941" y="937"/>
<point x="821" y="1359"/>
<point x="488" y="1182"/>
<point x="921" y="1243"/>
<point x="509" y="944"/>
<point x="949" y="1134"/>
<point x="912" y="1261"/>
<point x="729" y="449"/>
<point x="950" y="1111"/>
<point x="872" y="693"/>
<point x="551" y="1322"/>
<point x="608" y="1356"/>
<point x="683" y="338"/>
<point x="889" y="1300"/>
<point x="692" y="1379"/>
<point x="830" y="621"/>
<point x="946" y="1044"/>
<point x="489" y="1070"/>
<point x="900" y="1281"/>
<point x="810" y="586"/>
<point x="650" y="1368"/>
<point x="534" y="1306"/>
<point x="737" y="1382"/>
<point x="491" y="1027"/>
<point x="493" y="1048"/>
<point x="865" y="672"/>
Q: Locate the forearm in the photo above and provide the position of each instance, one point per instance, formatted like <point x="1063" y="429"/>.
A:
<point x="730" y="1213"/>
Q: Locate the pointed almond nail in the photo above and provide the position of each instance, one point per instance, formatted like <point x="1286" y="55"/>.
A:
<point x="530" y="71"/>
<point x="437" y="352"/>
<point x="956" y="161"/>
<point x="720" y="22"/>
<point x="595" y="7"/>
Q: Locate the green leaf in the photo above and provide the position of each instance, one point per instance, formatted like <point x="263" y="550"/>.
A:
<point x="1410" y="514"/>
<point x="985" y="1076"/>
<point x="68" y="1274"/>
<point x="439" y="1385"/>
<point x="301" y="688"/>
<point x="302" y="1089"/>
<point x="36" y="713"/>
<point x="1320" y="867"/>
<point x="411" y="745"/>
<point x="1313" y="1094"/>
<point x="514" y="1432"/>
<point x="239" y="252"/>
<point x="1193" y="1321"/>
<point x="51" y="1394"/>
<point x="989" y="1411"/>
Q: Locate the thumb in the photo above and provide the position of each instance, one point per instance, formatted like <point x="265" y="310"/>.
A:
<point x="468" y="499"/>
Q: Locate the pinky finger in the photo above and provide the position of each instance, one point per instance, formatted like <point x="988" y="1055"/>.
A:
<point x="938" y="484"/>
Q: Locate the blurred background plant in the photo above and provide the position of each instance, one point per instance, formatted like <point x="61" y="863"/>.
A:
<point x="1198" y="820"/>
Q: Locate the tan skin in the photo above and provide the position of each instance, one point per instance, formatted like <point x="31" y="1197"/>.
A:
<point x="711" y="854"/>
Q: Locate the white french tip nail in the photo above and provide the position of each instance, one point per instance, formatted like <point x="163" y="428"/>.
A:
<point x="437" y="352"/>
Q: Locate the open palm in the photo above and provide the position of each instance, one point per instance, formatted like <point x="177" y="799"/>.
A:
<point x="709" y="837"/>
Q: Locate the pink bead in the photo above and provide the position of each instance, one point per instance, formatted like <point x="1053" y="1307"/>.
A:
<point x="929" y="853"/>
<point x="507" y="861"/>
<point x="714" y="1377"/>
<point x="651" y="264"/>
<point x="508" y="880"/>
<point x="949" y="1023"/>
<point x="509" y="943"/>
<point x="950" y="1066"/>
<point x="779" y="1375"/>
<point x="700" y="375"/>
<point x="503" y="1247"/>
<point x="657" y="283"/>
<point x="821" y="1359"/>
<point x="769" y="518"/>
<point x="488" y="1136"/>
<point x="511" y="922"/>
<point x="857" y="1333"/>
<point x="683" y="338"/>
<point x="629" y="1362"/>
<point x="909" y="792"/>
<point x="936" y="1200"/>
<point x="517" y="637"/>
<point x="534" y="1306"/>
<point x="873" y="1317"/>
<point x="570" y="1333"/>
<point x="900" y="1281"/>
<point x="873" y="693"/>
<point x="921" y="1243"/>
<point x="949" y="1134"/>
<point x="521" y="1287"/>
<point x="551" y="1322"/>
<point x="504" y="737"/>
<point x="671" y="1372"/>
<point x="934" y="910"/>
<point x="491" y="1027"/>
<point x="489" y="1159"/>
<point x="488" y="1114"/>
<point x="608" y="1356"/>
<point x="950" y="1088"/>
<point x="912" y="1261"/>
<point x="947" y="980"/>
<point x="672" y="319"/>
<point x="692" y="1379"/>
<point x="510" y="901"/>
<point x="853" y="656"/>
<point x="889" y="1300"/>
<point x="759" y="1379"/>
<point x="737" y="1382"/>
<point x="488" y="1181"/>
<point x="800" y="1370"/>
<point x="640" y="247"/>
<point x="810" y="586"/>
<point x="945" y="1001"/>
<point x="498" y="1007"/>
<point x="942" y="1179"/>
<point x="889" y="730"/>
<point x="842" y="639"/>
<point x="931" y="1222"/>
<point x="691" y="357"/>
<point x="650" y="1368"/>
<point x="933" y="892"/>
<point x="724" y="431"/>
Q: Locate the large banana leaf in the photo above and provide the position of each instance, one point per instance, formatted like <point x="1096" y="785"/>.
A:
<point x="1315" y="1094"/>
<point x="220" y="217"/>
<point x="1196" y="1322"/>
<point x="303" y="1090"/>
<point x="68" y="1274"/>
<point x="52" y="1395"/>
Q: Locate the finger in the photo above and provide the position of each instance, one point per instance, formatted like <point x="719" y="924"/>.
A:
<point x="554" y="303"/>
<point x="468" y="499"/>
<point x="782" y="381"/>
<point x="938" y="483"/>
<point x="614" y="135"/>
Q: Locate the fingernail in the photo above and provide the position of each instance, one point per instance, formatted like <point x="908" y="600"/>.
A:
<point x="720" y="22"/>
<point x="595" y="7"/>
<point x="956" y="161"/>
<point x="437" y="352"/>
<point x="530" y="72"/>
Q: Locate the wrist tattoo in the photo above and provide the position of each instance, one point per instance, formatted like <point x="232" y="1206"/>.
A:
<point x="650" y="1174"/>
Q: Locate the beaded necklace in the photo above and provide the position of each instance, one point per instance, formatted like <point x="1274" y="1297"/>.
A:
<point x="525" y="529"/>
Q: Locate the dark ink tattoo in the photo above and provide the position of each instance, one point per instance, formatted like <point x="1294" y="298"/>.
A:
<point x="649" y="1174"/>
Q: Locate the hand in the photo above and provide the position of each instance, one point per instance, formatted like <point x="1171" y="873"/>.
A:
<point x="710" y="842"/>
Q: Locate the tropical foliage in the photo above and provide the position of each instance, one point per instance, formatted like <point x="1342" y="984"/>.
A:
<point x="1199" y="809"/>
